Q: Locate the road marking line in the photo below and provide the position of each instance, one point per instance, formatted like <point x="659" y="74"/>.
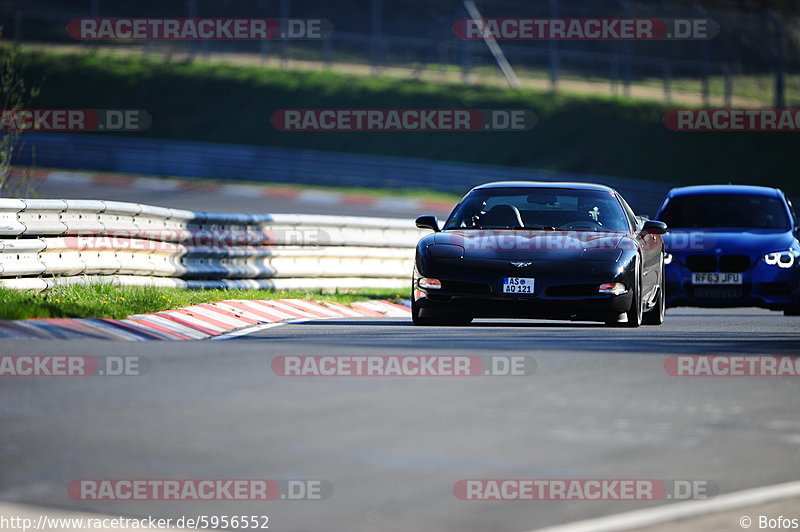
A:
<point x="37" y="515"/>
<point x="385" y="308"/>
<point x="682" y="510"/>
<point x="253" y="329"/>
<point x="257" y="328"/>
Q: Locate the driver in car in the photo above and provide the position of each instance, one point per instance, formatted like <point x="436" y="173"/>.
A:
<point x="591" y="210"/>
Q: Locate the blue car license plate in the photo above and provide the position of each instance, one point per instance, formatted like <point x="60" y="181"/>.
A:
<point x="517" y="285"/>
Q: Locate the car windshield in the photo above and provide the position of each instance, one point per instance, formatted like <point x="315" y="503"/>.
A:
<point x="539" y="208"/>
<point x="741" y="211"/>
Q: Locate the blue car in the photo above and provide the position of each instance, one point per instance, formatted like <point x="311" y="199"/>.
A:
<point x="731" y="246"/>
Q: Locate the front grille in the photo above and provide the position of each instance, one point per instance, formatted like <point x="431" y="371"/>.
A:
<point x="701" y="263"/>
<point x="717" y="292"/>
<point x="734" y="263"/>
<point x="465" y="287"/>
<point x="573" y="290"/>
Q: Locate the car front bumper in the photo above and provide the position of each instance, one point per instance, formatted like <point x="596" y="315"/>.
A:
<point x="762" y="286"/>
<point x="568" y="291"/>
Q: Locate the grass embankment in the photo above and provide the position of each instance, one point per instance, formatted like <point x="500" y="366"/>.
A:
<point x="105" y="301"/>
<point x="232" y="104"/>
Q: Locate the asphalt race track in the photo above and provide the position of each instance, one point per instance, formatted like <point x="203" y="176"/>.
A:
<point x="599" y="405"/>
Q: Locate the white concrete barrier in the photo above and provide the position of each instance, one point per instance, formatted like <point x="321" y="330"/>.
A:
<point x="49" y="242"/>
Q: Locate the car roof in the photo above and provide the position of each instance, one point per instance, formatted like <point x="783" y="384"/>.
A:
<point x="724" y="189"/>
<point x="545" y="184"/>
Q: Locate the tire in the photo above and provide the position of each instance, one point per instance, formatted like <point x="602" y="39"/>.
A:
<point x="428" y="321"/>
<point x="793" y="310"/>
<point x="655" y="316"/>
<point x="416" y="318"/>
<point x="635" y="313"/>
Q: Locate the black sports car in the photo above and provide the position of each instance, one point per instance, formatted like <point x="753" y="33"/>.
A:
<point x="573" y="251"/>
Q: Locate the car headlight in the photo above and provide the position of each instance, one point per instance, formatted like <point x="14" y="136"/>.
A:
<point x="782" y="259"/>
<point x="668" y="258"/>
<point x="430" y="283"/>
<point x="616" y="289"/>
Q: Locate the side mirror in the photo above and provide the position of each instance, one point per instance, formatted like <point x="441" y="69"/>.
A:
<point x="654" y="227"/>
<point x="428" y="222"/>
<point x="644" y="216"/>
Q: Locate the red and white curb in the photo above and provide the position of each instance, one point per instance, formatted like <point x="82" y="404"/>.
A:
<point x="224" y="319"/>
<point x="305" y="195"/>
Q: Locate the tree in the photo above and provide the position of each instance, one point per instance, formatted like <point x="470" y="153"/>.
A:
<point x="14" y="95"/>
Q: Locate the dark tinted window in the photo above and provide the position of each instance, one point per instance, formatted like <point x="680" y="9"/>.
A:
<point x="536" y="208"/>
<point x="726" y="210"/>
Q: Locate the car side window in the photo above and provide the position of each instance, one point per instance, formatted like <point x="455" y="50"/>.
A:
<point x="632" y="220"/>
<point x="793" y="212"/>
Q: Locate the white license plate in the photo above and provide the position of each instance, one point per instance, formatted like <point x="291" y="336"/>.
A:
<point x="716" y="278"/>
<point x="517" y="285"/>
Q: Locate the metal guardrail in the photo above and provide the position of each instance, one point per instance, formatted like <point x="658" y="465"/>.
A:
<point x="49" y="242"/>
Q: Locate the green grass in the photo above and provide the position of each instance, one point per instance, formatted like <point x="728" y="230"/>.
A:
<point x="593" y="134"/>
<point x="106" y="301"/>
<point x="410" y="193"/>
<point x="751" y="86"/>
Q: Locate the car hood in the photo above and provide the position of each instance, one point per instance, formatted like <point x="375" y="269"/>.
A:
<point x="749" y="242"/>
<point x="542" y="245"/>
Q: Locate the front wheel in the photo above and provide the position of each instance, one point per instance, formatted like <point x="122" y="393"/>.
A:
<point x="792" y="310"/>
<point x="426" y="321"/>
<point x="416" y="318"/>
<point x="655" y="316"/>
<point x="634" y="314"/>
